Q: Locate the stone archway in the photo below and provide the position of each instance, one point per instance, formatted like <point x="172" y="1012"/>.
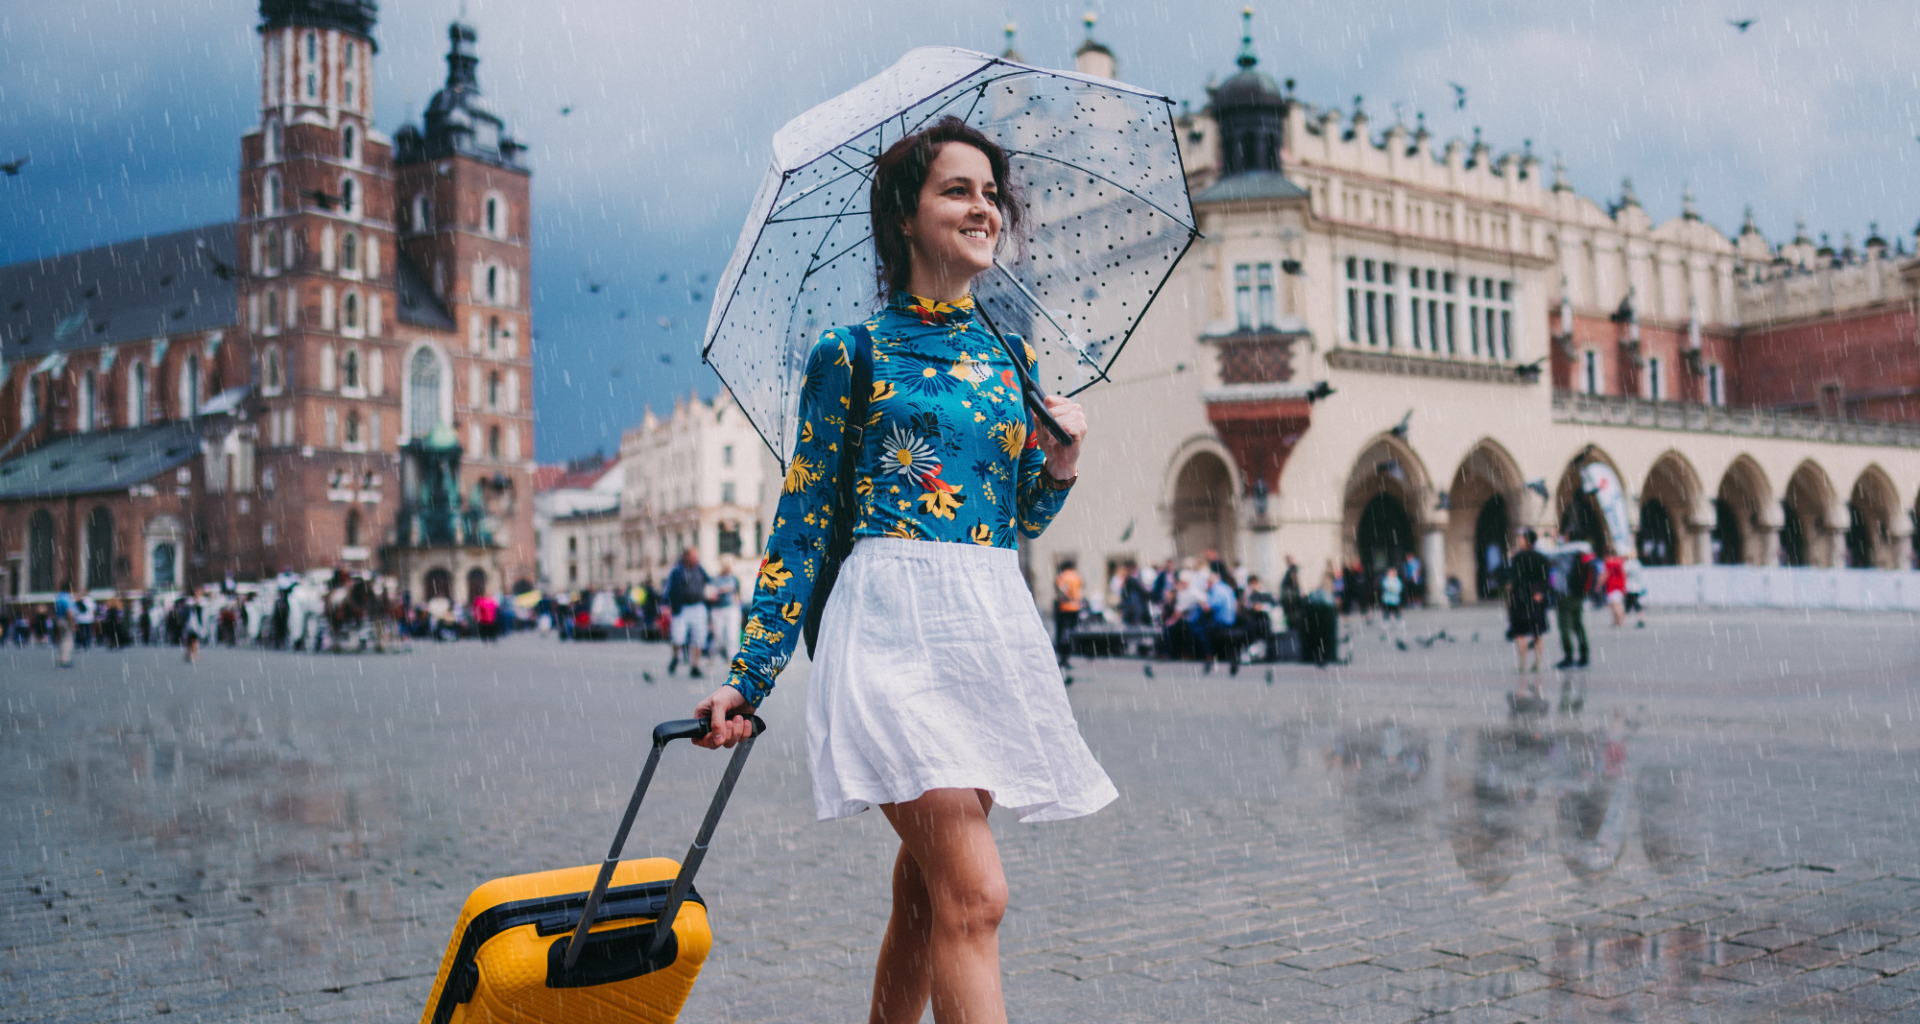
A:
<point x="1809" y="533"/>
<point x="1202" y="507"/>
<point x="1877" y="533"/>
<point x="1669" y="500"/>
<point x="1745" y="530"/>
<point x="1486" y="501"/>
<point x="1385" y="514"/>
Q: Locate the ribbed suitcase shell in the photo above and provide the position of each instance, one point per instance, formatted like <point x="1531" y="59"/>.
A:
<point x="520" y="927"/>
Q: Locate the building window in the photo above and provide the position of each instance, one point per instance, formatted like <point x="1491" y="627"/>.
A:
<point x="331" y="428"/>
<point x="423" y="393"/>
<point x="729" y="539"/>
<point x="353" y="427"/>
<point x="1590" y="372"/>
<point x="493" y="390"/>
<point x="350" y="366"/>
<point x="349" y="252"/>
<point x="1265" y="279"/>
<point x="273" y="140"/>
<point x="266" y="534"/>
<point x="190" y="387"/>
<point x="313" y="46"/>
<point x="1243" y="296"/>
<point x="350" y="311"/>
<point x="137" y="394"/>
<point x="493" y="334"/>
<point x="347" y="136"/>
<point x="273" y="311"/>
<point x="353" y="528"/>
<point x="493" y="283"/>
<point x="270" y="197"/>
<point x="273" y="258"/>
<point x="422" y="213"/>
<point x="84" y="415"/>
<point x="1716" y="386"/>
<point x="266" y="479"/>
<point x="493" y="442"/>
<point x="270" y="366"/>
<point x="1656" y="379"/>
<point x="492" y="216"/>
<point x="726" y="493"/>
<point x="726" y="455"/>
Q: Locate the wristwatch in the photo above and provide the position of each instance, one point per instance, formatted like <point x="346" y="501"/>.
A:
<point x="1058" y="485"/>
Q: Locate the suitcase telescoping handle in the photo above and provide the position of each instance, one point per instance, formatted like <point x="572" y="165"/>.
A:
<point x="663" y="734"/>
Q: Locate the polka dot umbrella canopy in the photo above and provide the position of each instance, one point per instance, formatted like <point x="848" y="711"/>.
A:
<point x="1108" y="218"/>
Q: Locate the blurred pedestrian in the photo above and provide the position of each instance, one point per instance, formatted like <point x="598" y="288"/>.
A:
<point x="687" y="598"/>
<point x="63" y="627"/>
<point x="1614" y="579"/>
<point x="486" y="617"/>
<point x="723" y="614"/>
<point x="1637" y="592"/>
<point x="1528" y="595"/>
<point x="193" y="626"/>
<point x="1069" y="599"/>
<point x="1392" y="592"/>
<point x="1572" y="578"/>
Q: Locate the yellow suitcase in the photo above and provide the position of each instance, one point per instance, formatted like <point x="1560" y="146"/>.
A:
<point x="586" y="944"/>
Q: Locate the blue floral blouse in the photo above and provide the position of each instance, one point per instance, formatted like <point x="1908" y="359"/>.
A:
<point x="950" y="455"/>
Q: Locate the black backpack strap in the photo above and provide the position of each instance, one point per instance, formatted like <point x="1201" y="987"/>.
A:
<point x="846" y="501"/>
<point x="859" y="394"/>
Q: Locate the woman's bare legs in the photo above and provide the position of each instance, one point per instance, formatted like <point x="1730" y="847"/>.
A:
<point x="943" y="940"/>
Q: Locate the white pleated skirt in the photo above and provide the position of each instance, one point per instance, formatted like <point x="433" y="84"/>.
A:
<point x="933" y="671"/>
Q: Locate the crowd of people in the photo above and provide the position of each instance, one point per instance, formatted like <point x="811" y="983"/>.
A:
<point x="1201" y="608"/>
<point x="1563" y="577"/>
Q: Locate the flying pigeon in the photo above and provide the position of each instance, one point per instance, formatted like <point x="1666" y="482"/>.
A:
<point x="1459" y="96"/>
<point x="1743" y="24"/>
<point x="13" y="169"/>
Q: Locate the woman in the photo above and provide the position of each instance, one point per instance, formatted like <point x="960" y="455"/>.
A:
<point x="935" y="690"/>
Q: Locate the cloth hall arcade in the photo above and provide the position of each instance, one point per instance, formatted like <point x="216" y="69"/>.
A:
<point x="1387" y="343"/>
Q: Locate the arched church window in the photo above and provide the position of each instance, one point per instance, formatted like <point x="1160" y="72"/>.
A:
<point x="353" y="425"/>
<point x="493" y="283"/>
<point x="493" y="390"/>
<point x="270" y="195"/>
<point x="493" y="334"/>
<point x="272" y="365"/>
<point x="423" y="393"/>
<point x="492" y="216"/>
<point x="422" y="213"/>
<point x="347" y="138"/>
<point x="273" y="309"/>
<point x="350" y="366"/>
<point x="350" y="311"/>
<point x="349" y="252"/>
<point x="349" y="197"/>
<point x="493" y="442"/>
<point x="273" y="140"/>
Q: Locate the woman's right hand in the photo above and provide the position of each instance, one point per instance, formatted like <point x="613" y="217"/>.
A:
<point x="723" y="731"/>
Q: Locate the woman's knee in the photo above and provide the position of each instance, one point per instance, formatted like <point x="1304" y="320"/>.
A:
<point x="972" y="904"/>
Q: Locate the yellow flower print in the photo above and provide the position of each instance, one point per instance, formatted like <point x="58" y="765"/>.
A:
<point x="863" y="486"/>
<point x="904" y="529"/>
<point x="801" y="474"/>
<point x="941" y="504"/>
<point x="882" y="391"/>
<point x="1012" y="438"/>
<point x="755" y="631"/>
<point x="1032" y="356"/>
<point x="806" y="431"/>
<point x="773" y="573"/>
<point x="982" y="534"/>
<point x="791" y="611"/>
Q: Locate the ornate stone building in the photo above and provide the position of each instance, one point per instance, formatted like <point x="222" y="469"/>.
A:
<point x="372" y="294"/>
<point x="1388" y="344"/>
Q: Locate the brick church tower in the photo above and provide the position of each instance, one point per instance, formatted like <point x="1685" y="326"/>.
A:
<point x="383" y="294"/>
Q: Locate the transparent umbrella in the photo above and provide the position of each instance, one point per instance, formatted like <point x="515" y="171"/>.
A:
<point x="1109" y="216"/>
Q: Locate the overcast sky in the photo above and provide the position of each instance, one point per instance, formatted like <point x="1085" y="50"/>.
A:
<point x="131" y="113"/>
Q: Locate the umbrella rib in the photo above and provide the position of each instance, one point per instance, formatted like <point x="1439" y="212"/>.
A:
<point x="811" y="189"/>
<point x="824" y="264"/>
<point x="819" y="216"/>
<point x="1183" y="222"/>
<point x="1192" y="236"/>
<point x="1064" y="333"/>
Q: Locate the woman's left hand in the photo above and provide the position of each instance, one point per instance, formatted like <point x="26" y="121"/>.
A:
<point x="1063" y="460"/>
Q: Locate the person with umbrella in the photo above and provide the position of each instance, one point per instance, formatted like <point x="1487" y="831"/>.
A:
<point x="935" y="691"/>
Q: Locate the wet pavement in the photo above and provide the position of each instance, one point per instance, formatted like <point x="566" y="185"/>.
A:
<point x="1724" y="831"/>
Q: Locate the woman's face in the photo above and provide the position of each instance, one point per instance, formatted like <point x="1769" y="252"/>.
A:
<point x="952" y="236"/>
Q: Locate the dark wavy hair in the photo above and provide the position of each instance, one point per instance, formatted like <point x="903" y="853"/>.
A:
<point x="898" y="177"/>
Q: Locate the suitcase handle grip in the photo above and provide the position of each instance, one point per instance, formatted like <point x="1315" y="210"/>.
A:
<point x="694" y="728"/>
<point x="663" y="734"/>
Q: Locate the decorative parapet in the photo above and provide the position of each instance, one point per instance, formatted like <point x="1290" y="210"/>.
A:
<point x="1256" y="357"/>
<point x="1624" y="411"/>
<point x="1424" y="366"/>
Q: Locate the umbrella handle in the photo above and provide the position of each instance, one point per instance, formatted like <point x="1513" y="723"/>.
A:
<point x="1035" y="395"/>
<point x="1038" y="403"/>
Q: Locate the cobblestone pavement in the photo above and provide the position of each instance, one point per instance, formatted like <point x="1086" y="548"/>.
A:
<point x="1725" y="832"/>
